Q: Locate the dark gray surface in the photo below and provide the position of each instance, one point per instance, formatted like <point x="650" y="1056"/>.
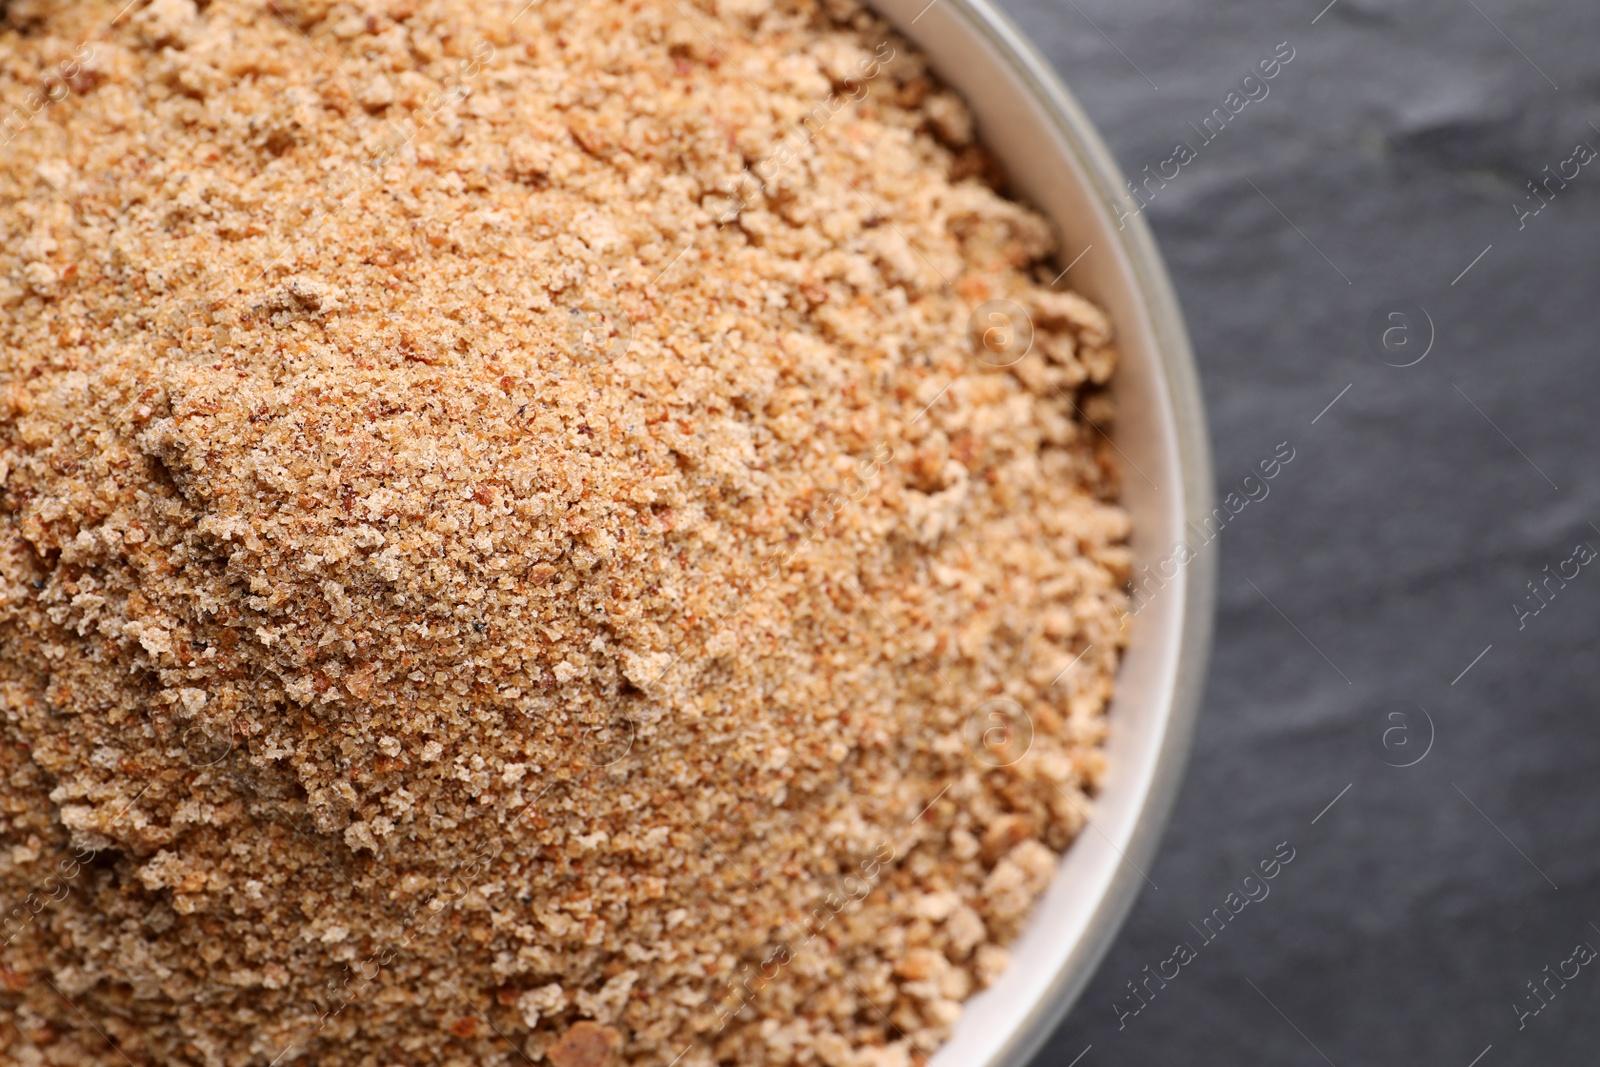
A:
<point x="1413" y="515"/>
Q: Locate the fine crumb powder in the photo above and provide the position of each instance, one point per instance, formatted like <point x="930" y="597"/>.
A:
<point x="518" y="539"/>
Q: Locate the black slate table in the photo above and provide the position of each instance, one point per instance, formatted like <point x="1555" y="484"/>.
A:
<point x="1418" y="574"/>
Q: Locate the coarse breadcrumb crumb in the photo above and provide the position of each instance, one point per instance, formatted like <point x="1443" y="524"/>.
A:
<point x="508" y="547"/>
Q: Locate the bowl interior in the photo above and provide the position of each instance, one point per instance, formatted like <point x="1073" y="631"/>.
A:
<point x="1056" y="163"/>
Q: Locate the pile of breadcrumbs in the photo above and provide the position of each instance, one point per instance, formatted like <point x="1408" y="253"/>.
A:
<point x="508" y="548"/>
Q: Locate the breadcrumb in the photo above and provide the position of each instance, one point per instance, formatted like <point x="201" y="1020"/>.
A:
<point x="507" y="548"/>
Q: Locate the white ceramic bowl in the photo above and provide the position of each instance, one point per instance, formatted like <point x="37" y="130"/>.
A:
<point x="1056" y="162"/>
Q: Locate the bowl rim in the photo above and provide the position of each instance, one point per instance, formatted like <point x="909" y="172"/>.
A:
<point x="1174" y="359"/>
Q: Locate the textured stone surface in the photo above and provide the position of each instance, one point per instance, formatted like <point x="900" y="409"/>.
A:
<point x="1398" y="540"/>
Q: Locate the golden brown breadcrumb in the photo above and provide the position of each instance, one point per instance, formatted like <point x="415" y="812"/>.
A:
<point x="510" y="549"/>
